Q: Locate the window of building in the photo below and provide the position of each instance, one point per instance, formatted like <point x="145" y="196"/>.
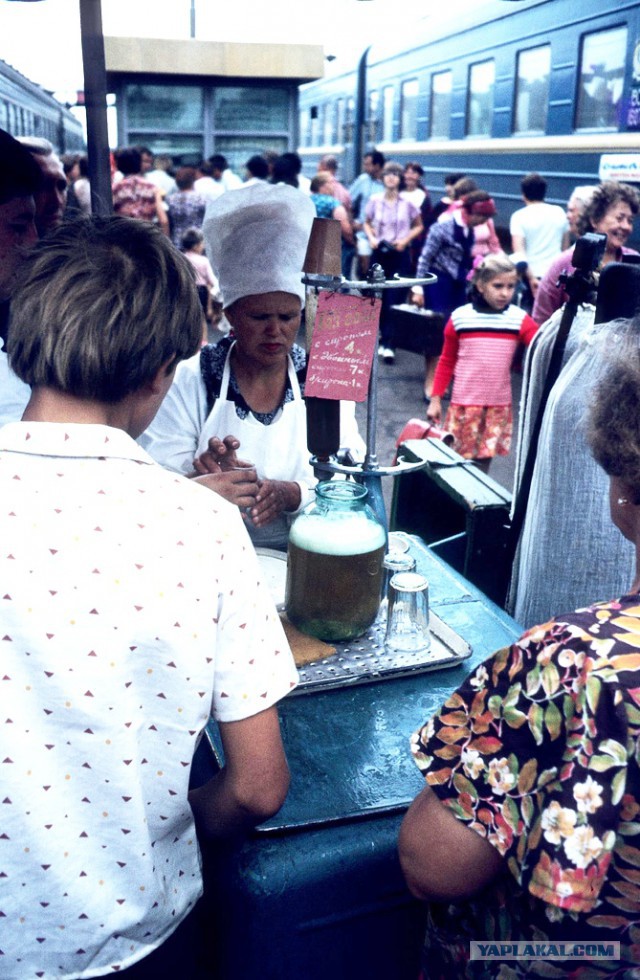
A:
<point x="441" y="84"/>
<point x="185" y="151"/>
<point x="387" y="113"/>
<point x="532" y="90"/>
<point x="238" y="149"/>
<point x="601" y="79"/>
<point x="409" y="109"/>
<point x="164" y="107"/>
<point x="480" y="99"/>
<point x="237" y="108"/>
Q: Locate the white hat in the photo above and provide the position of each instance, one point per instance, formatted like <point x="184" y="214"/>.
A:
<point x="257" y="239"/>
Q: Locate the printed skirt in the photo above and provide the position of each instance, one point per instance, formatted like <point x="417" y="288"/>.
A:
<point x="480" y="431"/>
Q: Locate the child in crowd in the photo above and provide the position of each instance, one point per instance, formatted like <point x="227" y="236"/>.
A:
<point x="192" y="243"/>
<point x="480" y="340"/>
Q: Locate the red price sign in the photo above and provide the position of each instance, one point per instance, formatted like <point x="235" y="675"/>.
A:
<point x="343" y="346"/>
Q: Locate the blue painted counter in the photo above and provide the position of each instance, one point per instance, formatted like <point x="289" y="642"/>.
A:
<point x="316" y="893"/>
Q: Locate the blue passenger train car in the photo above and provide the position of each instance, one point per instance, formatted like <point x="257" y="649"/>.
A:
<point x="26" y="109"/>
<point x="547" y="85"/>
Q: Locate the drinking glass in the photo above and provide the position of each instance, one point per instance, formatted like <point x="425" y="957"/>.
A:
<point x="394" y="561"/>
<point x="408" y="616"/>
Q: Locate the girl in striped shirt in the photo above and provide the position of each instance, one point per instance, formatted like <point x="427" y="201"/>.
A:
<point x="480" y="340"/>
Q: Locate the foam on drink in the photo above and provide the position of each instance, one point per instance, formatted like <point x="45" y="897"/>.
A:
<point x="334" y="575"/>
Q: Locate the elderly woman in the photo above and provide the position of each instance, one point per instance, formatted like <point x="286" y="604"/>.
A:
<point x="245" y="392"/>
<point x="529" y="820"/>
<point x="611" y="211"/>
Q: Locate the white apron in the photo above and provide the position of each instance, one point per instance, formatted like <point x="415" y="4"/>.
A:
<point x="278" y="451"/>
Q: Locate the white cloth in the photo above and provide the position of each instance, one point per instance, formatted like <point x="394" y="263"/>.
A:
<point x="304" y="184"/>
<point x="291" y="430"/>
<point x="208" y="187"/>
<point x="182" y="427"/>
<point x="163" y="180"/>
<point x="257" y="240"/>
<point x="229" y="180"/>
<point x="132" y="604"/>
<point x="14" y="393"/>
<point x="570" y="553"/>
<point x="542" y="226"/>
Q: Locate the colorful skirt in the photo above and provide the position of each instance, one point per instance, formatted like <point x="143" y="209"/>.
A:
<point x="480" y="431"/>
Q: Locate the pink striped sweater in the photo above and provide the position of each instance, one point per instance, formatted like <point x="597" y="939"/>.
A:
<point x="478" y="350"/>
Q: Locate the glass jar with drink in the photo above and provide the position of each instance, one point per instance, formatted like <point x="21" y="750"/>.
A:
<point x="334" y="563"/>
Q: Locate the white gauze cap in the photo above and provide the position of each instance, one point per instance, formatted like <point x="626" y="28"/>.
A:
<point x="257" y="239"/>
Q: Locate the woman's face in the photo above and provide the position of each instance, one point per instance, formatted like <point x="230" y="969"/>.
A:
<point x="265" y="326"/>
<point x="391" y="180"/>
<point x="617" y="225"/>
<point x="411" y="178"/>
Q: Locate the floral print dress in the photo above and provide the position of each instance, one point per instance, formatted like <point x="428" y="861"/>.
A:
<point x="538" y="751"/>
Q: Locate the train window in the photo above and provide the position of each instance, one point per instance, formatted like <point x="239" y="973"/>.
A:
<point x="315" y="125"/>
<point x="409" y="109"/>
<point x="602" y="64"/>
<point x="441" y="84"/>
<point x="303" y="127"/>
<point x="480" y="99"/>
<point x="374" y="117"/>
<point x="348" y="120"/>
<point x="339" y="120"/>
<point x="532" y="90"/>
<point x="387" y="113"/>
<point x="329" y="123"/>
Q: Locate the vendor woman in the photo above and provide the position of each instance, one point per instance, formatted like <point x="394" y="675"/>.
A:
<point x="234" y="417"/>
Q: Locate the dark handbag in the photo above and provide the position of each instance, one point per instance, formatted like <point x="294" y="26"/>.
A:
<point x="385" y="248"/>
<point x="416" y="330"/>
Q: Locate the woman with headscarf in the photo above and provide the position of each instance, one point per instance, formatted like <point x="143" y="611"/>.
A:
<point x="245" y="392"/>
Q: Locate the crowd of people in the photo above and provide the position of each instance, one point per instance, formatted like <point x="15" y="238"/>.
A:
<point x="139" y="469"/>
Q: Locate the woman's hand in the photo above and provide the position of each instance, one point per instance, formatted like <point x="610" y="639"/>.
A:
<point x="417" y="297"/>
<point x="274" y="498"/>
<point x="220" y="454"/>
<point x="434" y="410"/>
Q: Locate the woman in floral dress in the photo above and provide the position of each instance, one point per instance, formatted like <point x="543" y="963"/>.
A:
<point x="529" y="826"/>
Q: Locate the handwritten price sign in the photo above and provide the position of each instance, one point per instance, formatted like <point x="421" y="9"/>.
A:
<point x="344" y="340"/>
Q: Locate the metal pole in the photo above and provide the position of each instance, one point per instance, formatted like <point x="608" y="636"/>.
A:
<point x="95" y="94"/>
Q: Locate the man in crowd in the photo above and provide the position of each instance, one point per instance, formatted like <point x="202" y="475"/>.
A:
<point x="329" y="163"/>
<point x="537" y="231"/>
<point x="20" y="180"/>
<point x="369" y="182"/>
<point x="51" y="198"/>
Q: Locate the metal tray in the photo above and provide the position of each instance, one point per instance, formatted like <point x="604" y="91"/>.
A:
<point x="365" y="659"/>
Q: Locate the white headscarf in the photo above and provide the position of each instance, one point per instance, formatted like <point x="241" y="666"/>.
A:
<point x="256" y="240"/>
